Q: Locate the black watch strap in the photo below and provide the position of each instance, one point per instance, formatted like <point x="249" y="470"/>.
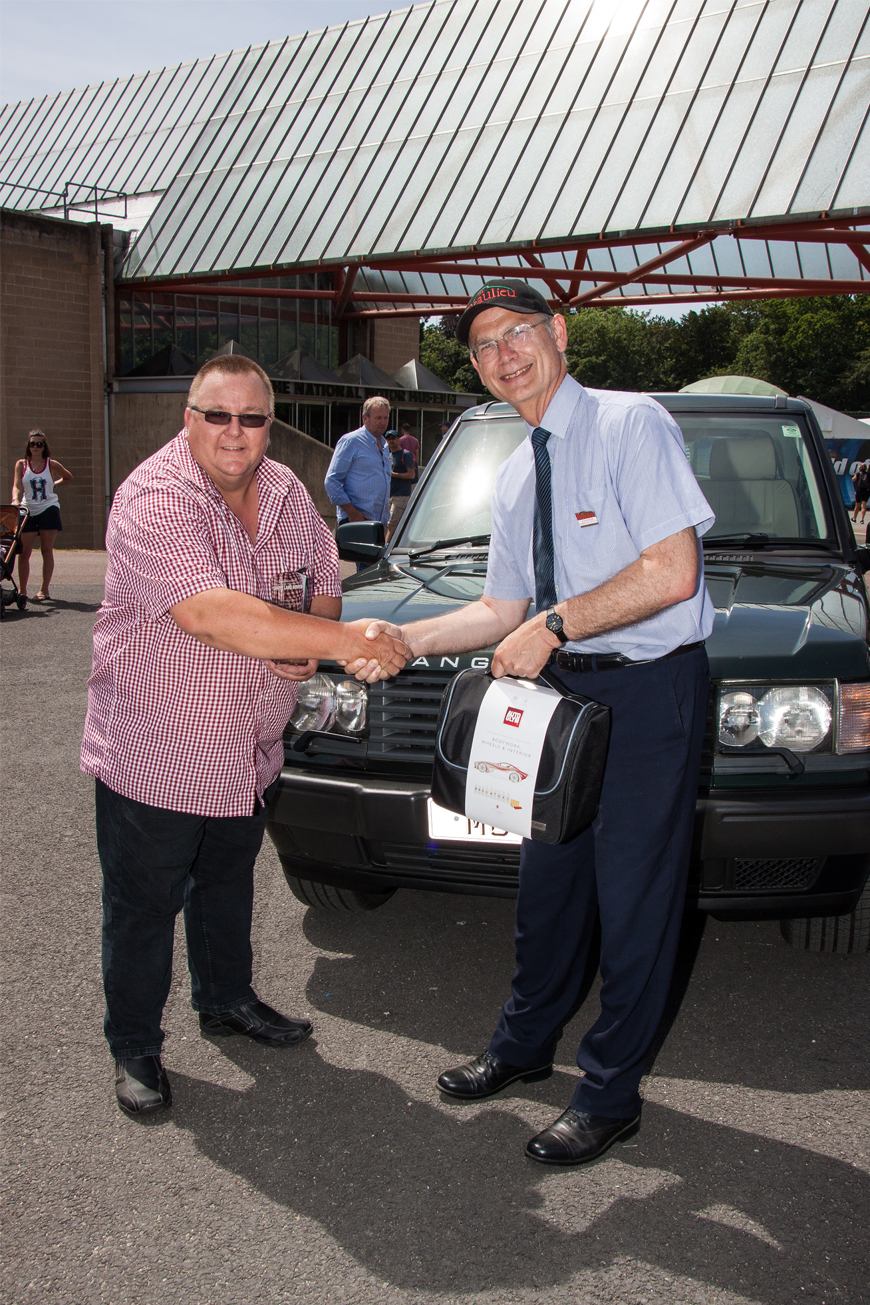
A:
<point x="555" y="625"/>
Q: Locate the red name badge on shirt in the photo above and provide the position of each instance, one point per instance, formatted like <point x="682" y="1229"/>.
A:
<point x="586" y="518"/>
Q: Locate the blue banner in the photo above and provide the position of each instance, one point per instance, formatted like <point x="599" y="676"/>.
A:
<point x="847" y="456"/>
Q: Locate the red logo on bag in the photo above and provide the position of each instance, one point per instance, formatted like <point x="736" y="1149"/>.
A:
<point x="513" y="716"/>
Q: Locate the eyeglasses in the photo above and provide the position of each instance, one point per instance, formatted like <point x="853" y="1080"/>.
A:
<point x="517" y="337"/>
<point x="214" y="417"/>
<point x="36" y="444"/>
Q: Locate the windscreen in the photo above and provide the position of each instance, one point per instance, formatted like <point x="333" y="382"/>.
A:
<point x="455" y="500"/>
<point x="757" y="474"/>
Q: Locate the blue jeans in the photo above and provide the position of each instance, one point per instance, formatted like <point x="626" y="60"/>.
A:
<point x="155" y="863"/>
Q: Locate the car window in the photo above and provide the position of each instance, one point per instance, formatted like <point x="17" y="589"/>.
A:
<point x="455" y="500"/>
<point x="757" y="474"/>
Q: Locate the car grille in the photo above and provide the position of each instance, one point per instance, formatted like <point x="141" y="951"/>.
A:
<point x="474" y="864"/>
<point x="763" y="874"/>
<point x="403" y="713"/>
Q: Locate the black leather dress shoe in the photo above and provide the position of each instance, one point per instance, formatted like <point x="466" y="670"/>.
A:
<point x="486" y="1075"/>
<point x="258" y="1021"/>
<point x="142" y="1085"/>
<point x="577" y="1137"/>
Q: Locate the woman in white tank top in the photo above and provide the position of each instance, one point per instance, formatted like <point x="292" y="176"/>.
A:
<point x="37" y="476"/>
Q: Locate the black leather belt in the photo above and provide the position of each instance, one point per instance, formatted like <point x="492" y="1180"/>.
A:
<point x="576" y="662"/>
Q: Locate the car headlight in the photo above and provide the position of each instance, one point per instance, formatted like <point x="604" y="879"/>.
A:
<point x="797" y="717"/>
<point x="323" y="706"/>
<point x="315" y="704"/>
<point x="738" y="719"/>
<point x="351" y="702"/>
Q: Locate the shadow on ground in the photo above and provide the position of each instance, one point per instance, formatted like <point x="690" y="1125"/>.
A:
<point x="745" y="1008"/>
<point x="445" y="1201"/>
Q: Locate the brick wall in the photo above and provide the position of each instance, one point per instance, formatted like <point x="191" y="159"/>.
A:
<point x="51" y="367"/>
<point x="141" y="424"/>
<point x="396" y="341"/>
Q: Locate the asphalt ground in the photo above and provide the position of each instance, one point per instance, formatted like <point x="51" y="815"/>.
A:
<point x="334" y="1172"/>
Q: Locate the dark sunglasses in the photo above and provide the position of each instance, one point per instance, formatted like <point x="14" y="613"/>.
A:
<point x="215" y="418"/>
<point x="36" y="444"/>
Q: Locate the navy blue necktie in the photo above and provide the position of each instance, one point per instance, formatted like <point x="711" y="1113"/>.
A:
<point x="542" y="549"/>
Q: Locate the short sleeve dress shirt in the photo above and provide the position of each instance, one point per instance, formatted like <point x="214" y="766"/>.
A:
<point x="621" y="482"/>
<point x="359" y="473"/>
<point x="170" y="721"/>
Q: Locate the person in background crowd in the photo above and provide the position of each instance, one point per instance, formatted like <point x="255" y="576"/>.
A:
<point x="445" y="427"/>
<point x="401" y="481"/>
<point x="358" y="478"/>
<point x="596" y="517"/>
<point x="194" y="677"/>
<point x="861" y="481"/>
<point x="412" y="445"/>
<point x="37" y="477"/>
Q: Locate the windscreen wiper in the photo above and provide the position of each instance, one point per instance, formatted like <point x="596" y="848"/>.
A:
<point x="758" y="539"/>
<point x="761" y="540"/>
<point x="447" y="543"/>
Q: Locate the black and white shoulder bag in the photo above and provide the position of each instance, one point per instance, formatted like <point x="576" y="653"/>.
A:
<point x="521" y="755"/>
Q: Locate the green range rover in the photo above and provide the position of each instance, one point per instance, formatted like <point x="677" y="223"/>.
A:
<point x="782" y="827"/>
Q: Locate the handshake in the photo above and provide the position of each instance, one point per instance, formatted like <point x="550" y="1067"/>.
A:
<point x="380" y="650"/>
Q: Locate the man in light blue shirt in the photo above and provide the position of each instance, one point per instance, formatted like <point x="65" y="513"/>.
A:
<point x="596" y="519"/>
<point x="358" y="479"/>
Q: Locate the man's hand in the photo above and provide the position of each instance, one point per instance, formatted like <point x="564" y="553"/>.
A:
<point x="353" y="513"/>
<point x="293" y="670"/>
<point x="386" y="654"/>
<point x="526" y="651"/>
<point x="363" y="667"/>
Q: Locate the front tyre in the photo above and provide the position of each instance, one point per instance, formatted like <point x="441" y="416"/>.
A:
<point x="326" y="897"/>
<point x="847" y="935"/>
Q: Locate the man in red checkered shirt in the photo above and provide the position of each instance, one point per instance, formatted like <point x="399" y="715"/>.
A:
<point x="194" y="678"/>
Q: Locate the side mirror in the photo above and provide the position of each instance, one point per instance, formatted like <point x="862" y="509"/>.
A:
<point x="862" y="558"/>
<point x="360" y="541"/>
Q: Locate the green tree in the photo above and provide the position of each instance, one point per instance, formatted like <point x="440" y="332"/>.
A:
<point x="442" y="353"/>
<point x="706" y="342"/>
<point x="819" y="347"/>
<point x="620" y="349"/>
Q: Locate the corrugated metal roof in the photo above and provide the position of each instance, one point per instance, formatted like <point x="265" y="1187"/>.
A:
<point x="491" y="122"/>
<point x="130" y="135"/>
<point x="481" y="124"/>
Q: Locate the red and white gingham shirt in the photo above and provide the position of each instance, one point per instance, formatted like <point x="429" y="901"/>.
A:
<point x="170" y="721"/>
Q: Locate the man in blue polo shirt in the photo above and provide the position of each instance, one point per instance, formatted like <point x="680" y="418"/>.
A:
<point x="358" y="479"/>
<point x="596" y="519"/>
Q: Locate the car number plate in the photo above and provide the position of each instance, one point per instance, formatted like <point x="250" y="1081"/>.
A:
<point x="449" y="827"/>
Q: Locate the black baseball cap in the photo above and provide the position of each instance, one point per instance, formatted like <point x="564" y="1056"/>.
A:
<point x="516" y="296"/>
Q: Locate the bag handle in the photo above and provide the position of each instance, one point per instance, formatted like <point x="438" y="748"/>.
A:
<point x="552" y="683"/>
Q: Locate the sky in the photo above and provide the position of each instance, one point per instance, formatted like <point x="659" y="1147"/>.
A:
<point x="56" y="45"/>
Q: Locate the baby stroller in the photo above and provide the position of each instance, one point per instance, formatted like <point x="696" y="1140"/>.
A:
<point x="12" y="519"/>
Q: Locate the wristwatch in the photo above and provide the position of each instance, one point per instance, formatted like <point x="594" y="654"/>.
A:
<point x="555" y="626"/>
